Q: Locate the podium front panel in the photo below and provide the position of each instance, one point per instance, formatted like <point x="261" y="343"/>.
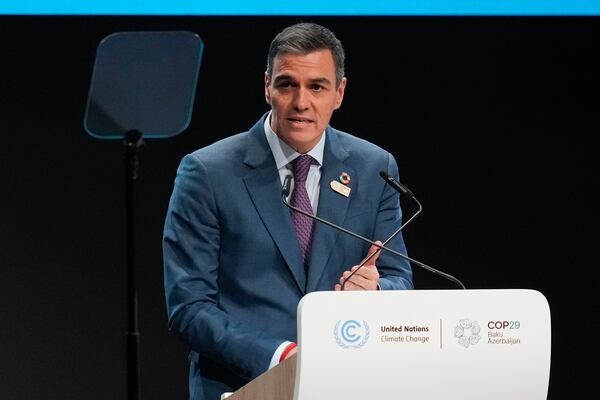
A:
<point x="424" y="344"/>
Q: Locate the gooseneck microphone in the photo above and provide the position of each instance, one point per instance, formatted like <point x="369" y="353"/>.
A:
<point x="400" y="188"/>
<point x="366" y="259"/>
<point x="285" y="192"/>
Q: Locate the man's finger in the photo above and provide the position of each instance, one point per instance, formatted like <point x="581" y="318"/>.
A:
<point x="360" y="282"/>
<point x="377" y="251"/>
<point x="367" y="273"/>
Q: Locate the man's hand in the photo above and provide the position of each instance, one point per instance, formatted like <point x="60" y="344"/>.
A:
<point x="367" y="276"/>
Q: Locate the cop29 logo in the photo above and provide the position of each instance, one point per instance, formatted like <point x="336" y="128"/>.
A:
<point x="467" y="332"/>
<point x="351" y="334"/>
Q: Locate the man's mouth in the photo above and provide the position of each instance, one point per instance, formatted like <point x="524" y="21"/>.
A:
<point x="300" y="120"/>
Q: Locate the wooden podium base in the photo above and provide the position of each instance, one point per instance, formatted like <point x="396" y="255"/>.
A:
<point x="275" y="384"/>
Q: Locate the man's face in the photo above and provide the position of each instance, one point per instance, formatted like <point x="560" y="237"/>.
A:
<point x="303" y="96"/>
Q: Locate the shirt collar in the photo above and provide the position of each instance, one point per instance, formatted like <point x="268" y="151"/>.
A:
<point x="283" y="153"/>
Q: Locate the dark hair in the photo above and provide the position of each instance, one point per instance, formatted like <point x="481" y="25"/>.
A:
<point x="304" y="38"/>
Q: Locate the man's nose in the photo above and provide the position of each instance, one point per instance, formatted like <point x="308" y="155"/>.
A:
<point x="301" y="100"/>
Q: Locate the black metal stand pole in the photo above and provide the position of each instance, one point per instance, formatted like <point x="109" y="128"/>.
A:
<point x="132" y="142"/>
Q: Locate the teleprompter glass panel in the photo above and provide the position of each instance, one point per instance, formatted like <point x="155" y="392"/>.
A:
<point x="144" y="81"/>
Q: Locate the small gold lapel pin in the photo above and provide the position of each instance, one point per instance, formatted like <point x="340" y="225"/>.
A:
<point x="340" y="188"/>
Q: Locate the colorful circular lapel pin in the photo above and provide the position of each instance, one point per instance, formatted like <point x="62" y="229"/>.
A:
<point x="345" y="178"/>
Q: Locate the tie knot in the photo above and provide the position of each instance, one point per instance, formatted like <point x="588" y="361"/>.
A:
<point x="300" y="166"/>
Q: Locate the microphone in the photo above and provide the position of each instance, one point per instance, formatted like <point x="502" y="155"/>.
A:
<point x="285" y="192"/>
<point x="406" y="191"/>
<point x="400" y="188"/>
<point x="403" y="189"/>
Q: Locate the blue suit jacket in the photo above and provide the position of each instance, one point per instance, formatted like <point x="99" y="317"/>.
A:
<point x="232" y="265"/>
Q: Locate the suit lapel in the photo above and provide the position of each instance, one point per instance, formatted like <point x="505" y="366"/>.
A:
<point x="332" y="207"/>
<point x="264" y="186"/>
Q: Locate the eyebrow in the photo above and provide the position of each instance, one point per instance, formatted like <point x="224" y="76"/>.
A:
<point x="323" y="81"/>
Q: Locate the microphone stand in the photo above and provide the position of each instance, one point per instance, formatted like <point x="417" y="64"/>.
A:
<point x="285" y="191"/>
<point x="363" y="262"/>
<point x="132" y="143"/>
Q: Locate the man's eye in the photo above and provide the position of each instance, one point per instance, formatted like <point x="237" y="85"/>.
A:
<point x="316" y="87"/>
<point x="284" y="85"/>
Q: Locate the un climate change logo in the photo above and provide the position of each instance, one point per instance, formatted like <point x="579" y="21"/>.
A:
<point x="351" y="334"/>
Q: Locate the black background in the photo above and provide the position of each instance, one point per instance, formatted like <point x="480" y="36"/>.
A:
<point x="492" y="121"/>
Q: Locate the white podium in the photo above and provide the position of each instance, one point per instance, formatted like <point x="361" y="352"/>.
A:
<point x="417" y="345"/>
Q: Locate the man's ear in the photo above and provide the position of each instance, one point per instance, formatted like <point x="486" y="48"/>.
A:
<point x="267" y="88"/>
<point x="339" y="97"/>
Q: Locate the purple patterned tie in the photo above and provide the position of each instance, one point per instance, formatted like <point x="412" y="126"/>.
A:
<point x="300" y="199"/>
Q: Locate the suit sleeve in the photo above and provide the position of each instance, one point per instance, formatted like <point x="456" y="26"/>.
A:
<point x="191" y="245"/>
<point x="395" y="273"/>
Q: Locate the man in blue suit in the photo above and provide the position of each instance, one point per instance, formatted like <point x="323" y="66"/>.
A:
<point x="234" y="267"/>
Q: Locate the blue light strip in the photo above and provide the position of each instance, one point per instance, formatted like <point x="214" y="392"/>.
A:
<point x="306" y="7"/>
